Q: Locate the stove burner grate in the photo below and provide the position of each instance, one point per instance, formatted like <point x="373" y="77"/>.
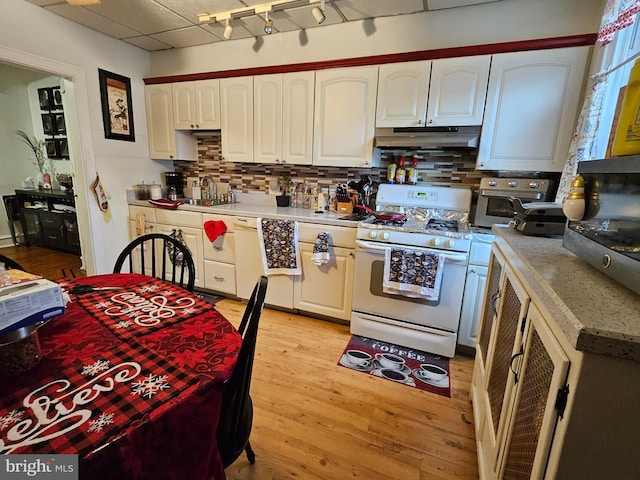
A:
<point x="442" y="225"/>
<point x="394" y="223"/>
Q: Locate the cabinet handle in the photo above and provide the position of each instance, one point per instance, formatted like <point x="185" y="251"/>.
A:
<point x="494" y="300"/>
<point x="219" y="279"/>
<point x="516" y="355"/>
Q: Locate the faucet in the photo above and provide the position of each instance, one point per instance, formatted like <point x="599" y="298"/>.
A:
<point x="211" y="191"/>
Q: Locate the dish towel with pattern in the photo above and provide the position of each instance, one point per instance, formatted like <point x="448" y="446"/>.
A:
<point x="412" y="273"/>
<point x="215" y="230"/>
<point x="140" y="224"/>
<point x="278" y="241"/>
<point x="321" y="253"/>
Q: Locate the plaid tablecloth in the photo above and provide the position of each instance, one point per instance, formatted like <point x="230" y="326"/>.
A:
<point x="133" y="403"/>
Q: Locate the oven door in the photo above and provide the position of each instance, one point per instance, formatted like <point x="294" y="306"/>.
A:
<point x="493" y="205"/>
<point x="368" y="296"/>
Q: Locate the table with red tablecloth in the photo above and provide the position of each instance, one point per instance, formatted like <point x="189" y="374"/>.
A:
<point x="131" y="380"/>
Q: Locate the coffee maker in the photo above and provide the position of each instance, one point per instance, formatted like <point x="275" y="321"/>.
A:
<point x="174" y="179"/>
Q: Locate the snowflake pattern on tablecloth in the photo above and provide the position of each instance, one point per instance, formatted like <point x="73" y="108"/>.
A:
<point x="124" y="324"/>
<point x="102" y="421"/>
<point x="95" y="368"/>
<point x="12" y="417"/>
<point x="169" y="293"/>
<point x="188" y="311"/>
<point x="104" y="304"/>
<point x="150" y="385"/>
<point x="148" y="288"/>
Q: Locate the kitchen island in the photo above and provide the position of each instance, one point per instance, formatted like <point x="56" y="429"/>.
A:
<point x="557" y="372"/>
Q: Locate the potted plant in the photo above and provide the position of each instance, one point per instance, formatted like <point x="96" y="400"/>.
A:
<point x="284" y="200"/>
<point x="39" y="158"/>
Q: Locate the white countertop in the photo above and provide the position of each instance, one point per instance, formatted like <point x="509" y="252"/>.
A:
<point x="261" y="210"/>
<point x="595" y="313"/>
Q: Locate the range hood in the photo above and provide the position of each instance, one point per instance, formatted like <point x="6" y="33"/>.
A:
<point x="428" y="137"/>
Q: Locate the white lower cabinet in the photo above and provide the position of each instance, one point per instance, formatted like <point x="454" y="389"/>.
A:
<point x="326" y="289"/>
<point x="537" y="401"/>
<point x="220" y="257"/>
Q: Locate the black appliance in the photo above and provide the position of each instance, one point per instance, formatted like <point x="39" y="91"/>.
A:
<point x="174" y="179"/>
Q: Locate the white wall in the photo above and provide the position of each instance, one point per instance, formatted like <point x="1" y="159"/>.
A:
<point x="32" y="36"/>
<point x="501" y="21"/>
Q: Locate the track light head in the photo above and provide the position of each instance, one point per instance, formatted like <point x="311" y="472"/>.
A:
<point x="228" y="30"/>
<point x="268" y="24"/>
<point x="318" y="14"/>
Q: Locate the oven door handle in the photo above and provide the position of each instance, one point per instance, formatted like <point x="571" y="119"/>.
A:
<point x="511" y="193"/>
<point x="377" y="249"/>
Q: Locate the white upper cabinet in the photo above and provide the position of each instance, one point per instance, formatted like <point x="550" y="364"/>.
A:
<point x="403" y="89"/>
<point x="344" y="118"/>
<point x="165" y="143"/>
<point x="236" y="99"/>
<point x="283" y="118"/>
<point x="443" y="92"/>
<point x="531" y="109"/>
<point x="457" y="91"/>
<point x="196" y="105"/>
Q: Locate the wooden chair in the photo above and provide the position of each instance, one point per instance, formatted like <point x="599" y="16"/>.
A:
<point x="236" y="416"/>
<point x="160" y="256"/>
<point x="9" y="263"/>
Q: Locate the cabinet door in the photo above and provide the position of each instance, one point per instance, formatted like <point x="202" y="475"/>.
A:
<point x="236" y="99"/>
<point x="505" y="342"/>
<point x="297" y="117"/>
<point x="344" y="116"/>
<point x="207" y="104"/>
<point x="159" y="107"/>
<point x="184" y="106"/>
<point x="267" y="107"/>
<point x="470" y="314"/>
<point x="540" y="379"/>
<point x="193" y="239"/>
<point x="457" y="91"/>
<point x="531" y="109"/>
<point x="489" y="309"/>
<point x="403" y="89"/>
<point x="326" y="289"/>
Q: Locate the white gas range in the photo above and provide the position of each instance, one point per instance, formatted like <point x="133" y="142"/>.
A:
<point x="436" y="223"/>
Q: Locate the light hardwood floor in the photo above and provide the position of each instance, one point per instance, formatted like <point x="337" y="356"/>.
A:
<point x="316" y="420"/>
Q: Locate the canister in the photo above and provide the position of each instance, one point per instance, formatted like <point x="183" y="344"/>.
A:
<point x="155" y="191"/>
<point x="19" y="351"/>
<point x="142" y="191"/>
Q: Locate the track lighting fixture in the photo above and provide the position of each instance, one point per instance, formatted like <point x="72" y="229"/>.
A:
<point x="228" y="30"/>
<point x="268" y="24"/>
<point x="318" y="13"/>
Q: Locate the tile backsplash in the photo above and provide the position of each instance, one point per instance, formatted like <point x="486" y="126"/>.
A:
<point x="438" y="168"/>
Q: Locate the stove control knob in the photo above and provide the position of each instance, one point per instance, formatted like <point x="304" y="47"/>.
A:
<point x="512" y="184"/>
<point x="492" y="183"/>
<point x="385" y="235"/>
<point x="534" y="184"/>
<point x="373" y="234"/>
<point x="449" y="243"/>
<point x="434" y="242"/>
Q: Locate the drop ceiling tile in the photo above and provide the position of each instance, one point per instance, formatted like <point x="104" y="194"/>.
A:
<point x="185" y="37"/>
<point x="93" y="20"/>
<point x="440" y="4"/>
<point x="190" y="9"/>
<point x="147" y="43"/>
<point x="303" y="18"/>
<point x="145" y="16"/>
<point x="238" y="30"/>
<point x="361" y="9"/>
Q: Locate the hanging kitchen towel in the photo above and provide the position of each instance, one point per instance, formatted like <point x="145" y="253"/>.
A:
<point x="215" y="230"/>
<point x="412" y="273"/>
<point x="321" y="253"/>
<point x="140" y="224"/>
<point x="278" y="241"/>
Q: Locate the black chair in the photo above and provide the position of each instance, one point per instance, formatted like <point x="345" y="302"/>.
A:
<point x="12" y="207"/>
<point x="236" y="416"/>
<point x="9" y="263"/>
<point x="160" y="256"/>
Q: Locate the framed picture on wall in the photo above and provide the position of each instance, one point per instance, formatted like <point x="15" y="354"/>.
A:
<point x="117" y="112"/>
<point x="47" y="123"/>
<point x="57" y="99"/>
<point x="62" y="148"/>
<point x="50" y="146"/>
<point x="59" y="123"/>
<point x="45" y="96"/>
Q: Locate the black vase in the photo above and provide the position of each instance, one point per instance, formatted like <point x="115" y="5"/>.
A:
<point x="283" y="200"/>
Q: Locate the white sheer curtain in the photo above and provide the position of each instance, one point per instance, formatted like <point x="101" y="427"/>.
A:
<point x="617" y="15"/>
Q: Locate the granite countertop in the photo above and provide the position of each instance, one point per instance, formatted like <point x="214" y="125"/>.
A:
<point x="596" y="314"/>
<point x="265" y="210"/>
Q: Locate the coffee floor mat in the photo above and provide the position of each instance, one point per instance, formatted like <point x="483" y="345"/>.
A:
<point x="417" y="369"/>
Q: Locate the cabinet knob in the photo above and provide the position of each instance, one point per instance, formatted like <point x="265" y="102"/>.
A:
<point x="430" y="121"/>
<point x="192" y="126"/>
<point x="419" y="122"/>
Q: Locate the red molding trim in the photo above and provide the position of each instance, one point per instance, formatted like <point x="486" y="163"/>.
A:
<point x="486" y="49"/>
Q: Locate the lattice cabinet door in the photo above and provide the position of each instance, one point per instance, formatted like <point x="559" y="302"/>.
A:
<point x="504" y="344"/>
<point x="489" y="307"/>
<point x="540" y="396"/>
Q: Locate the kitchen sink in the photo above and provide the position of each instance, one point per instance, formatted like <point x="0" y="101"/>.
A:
<point x="203" y="202"/>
